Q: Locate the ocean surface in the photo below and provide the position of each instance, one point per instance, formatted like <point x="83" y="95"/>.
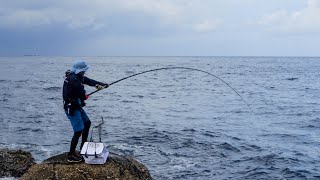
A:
<point x="181" y="124"/>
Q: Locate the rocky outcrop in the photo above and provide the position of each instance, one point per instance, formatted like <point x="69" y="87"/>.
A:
<point x="116" y="167"/>
<point x="14" y="163"/>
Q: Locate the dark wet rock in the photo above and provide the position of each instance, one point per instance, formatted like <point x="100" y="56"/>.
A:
<point x="116" y="167"/>
<point x="14" y="163"/>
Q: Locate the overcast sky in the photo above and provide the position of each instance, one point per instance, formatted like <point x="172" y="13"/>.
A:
<point x="160" y="27"/>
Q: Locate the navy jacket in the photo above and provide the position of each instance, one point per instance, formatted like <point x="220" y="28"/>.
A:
<point x="73" y="89"/>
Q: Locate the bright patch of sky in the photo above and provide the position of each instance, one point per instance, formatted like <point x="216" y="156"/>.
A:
<point x="164" y="28"/>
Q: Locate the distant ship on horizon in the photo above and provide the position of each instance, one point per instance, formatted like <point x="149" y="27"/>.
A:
<point x="31" y="55"/>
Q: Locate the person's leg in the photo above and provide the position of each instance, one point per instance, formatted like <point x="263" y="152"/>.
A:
<point x="72" y="155"/>
<point x="78" y="126"/>
<point x="85" y="133"/>
<point x="87" y="124"/>
<point x="74" y="142"/>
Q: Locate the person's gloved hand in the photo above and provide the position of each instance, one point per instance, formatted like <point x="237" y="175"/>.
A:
<point x="87" y="96"/>
<point x="99" y="87"/>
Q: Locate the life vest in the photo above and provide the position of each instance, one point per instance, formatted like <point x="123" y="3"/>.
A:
<point x="67" y="87"/>
<point x="70" y="101"/>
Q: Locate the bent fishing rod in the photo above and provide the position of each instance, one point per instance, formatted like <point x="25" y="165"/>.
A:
<point x="187" y="68"/>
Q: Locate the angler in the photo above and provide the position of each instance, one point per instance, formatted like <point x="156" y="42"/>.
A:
<point x="74" y="96"/>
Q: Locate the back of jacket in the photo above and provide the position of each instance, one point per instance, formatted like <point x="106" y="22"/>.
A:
<point x="73" y="90"/>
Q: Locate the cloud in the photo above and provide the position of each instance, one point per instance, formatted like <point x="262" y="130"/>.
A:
<point x="97" y="14"/>
<point x="69" y="15"/>
<point x="306" y="20"/>
<point x="207" y="26"/>
<point x="159" y="8"/>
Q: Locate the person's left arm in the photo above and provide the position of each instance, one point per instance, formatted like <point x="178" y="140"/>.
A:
<point x="92" y="82"/>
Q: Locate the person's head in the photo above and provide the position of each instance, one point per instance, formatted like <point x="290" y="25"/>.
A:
<point x="79" y="67"/>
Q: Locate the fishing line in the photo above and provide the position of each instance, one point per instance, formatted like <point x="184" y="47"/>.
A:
<point x="192" y="69"/>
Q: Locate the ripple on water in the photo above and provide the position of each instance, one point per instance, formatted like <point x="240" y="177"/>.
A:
<point x="36" y="130"/>
<point x="294" y="174"/>
<point x="211" y="134"/>
<point x="37" y="116"/>
<point x="54" y="88"/>
<point x="226" y="146"/>
<point x="154" y="137"/>
<point x="189" y="130"/>
<point x="250" y="147"/>
<point x="138" y="96"/>
<point x="292" y="79"/>
<point x="128" y="101"/>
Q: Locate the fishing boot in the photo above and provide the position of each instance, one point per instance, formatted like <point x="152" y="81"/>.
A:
<point x="74" y="157"/>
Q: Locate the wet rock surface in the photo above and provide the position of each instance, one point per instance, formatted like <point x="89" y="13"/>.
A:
<point x="14" y="163"/>
<point x="116" y="167"/>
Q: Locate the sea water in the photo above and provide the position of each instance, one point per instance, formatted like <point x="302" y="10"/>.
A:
<point x="181" y="124"/>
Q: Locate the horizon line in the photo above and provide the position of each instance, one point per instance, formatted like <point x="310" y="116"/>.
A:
<point x="260" y="56"/>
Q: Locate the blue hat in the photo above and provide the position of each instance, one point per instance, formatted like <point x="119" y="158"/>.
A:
<point x="79" y="66"/>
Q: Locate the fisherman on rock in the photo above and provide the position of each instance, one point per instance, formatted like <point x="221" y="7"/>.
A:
<point x="74" y="96"/>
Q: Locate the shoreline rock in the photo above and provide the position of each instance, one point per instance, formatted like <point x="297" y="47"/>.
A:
<point x="14" y="163"/>
<point x="116" y="167"/>
<point x="21" y="164"/>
